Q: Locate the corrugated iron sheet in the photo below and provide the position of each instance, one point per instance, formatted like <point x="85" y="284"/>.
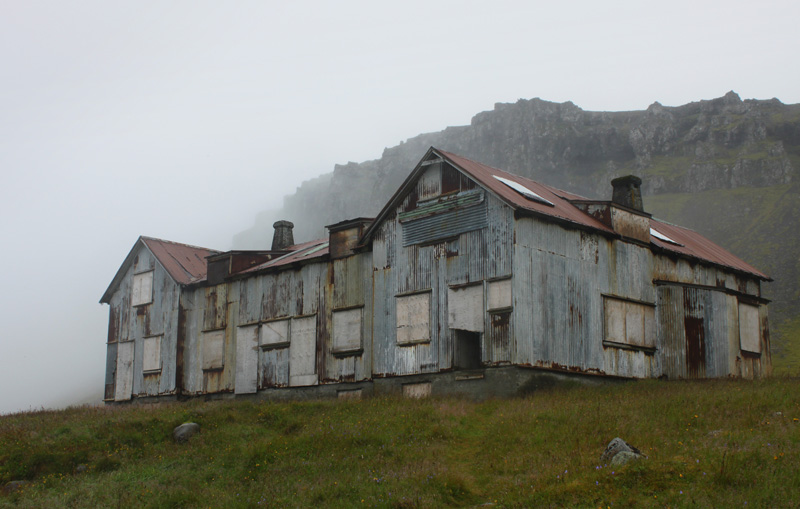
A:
<point x="696" y="246"/>
<point x="186" y="264"/>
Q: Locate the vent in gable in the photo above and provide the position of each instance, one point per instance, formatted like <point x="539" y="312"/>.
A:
<point x="524" y="191"/>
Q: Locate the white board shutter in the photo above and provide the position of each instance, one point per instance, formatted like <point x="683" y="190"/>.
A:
<point x="246" y="381"/>
<point x="302" y="351"/>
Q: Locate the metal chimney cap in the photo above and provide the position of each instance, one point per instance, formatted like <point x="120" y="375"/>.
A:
<point x="626" y="181"/>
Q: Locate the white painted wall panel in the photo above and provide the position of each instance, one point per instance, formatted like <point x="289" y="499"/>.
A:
<point x="246" y="381"/>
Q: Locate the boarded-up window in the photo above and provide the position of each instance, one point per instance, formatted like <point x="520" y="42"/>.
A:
<point x="347" y="330"/>
<point x="417" y="391"/>
<point x="213" y="349"/>
<point x="124" y="383"/>
<point x="152" y="354"/>
<point x="302" y="351"/>
<point x="142" y="288"/>
<point x="500" y="294"/>
<point x="629" y="323"/>
<point x="465" y="308"/>
<point x="749" y="330"/>
<point x="246" y="381"/>
<point x="274" y="334"/>
<point x="413" y="318"/>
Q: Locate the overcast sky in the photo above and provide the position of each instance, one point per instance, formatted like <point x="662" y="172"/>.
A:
<point x="183" y="119"/>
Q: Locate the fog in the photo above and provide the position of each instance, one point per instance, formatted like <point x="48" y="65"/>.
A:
<point x="182" y="120"/>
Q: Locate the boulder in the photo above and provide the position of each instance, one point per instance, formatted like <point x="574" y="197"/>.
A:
<point x="13" y="486"/>
<point x="184" y="432"/>
<point x="623" y="457"/>
<point x="617" y="446"/>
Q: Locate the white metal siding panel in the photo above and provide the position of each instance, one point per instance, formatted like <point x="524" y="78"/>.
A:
<point x="246" y="360"/>
<point x="302" y="351"/>
<point x="465" y="308"/>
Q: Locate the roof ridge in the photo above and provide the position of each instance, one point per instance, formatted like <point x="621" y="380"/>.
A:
<point x="146" y="237"/>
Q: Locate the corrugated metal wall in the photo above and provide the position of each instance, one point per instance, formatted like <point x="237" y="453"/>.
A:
<point x="129" y="325"/>
<point x="472" y="254"/>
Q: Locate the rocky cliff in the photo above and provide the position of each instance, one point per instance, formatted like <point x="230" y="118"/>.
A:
<point x="727" y="168"/>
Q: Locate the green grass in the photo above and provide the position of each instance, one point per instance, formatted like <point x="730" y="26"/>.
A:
<point x="710" y="444"/>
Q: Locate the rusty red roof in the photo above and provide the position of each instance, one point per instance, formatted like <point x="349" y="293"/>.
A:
<point x="298" y="253"/>
<point x="186" y="264"/>
<point x="555" y="203"/>
<point x="561" y="207"/>
<point x="694" y="245"/>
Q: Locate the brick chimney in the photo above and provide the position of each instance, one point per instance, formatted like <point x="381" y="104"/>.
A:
<point x="628" y="192"/>
<point x="283" y="237"/>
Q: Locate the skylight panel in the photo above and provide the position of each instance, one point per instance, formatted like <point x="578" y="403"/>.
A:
<point x="315" y="249"/>
<point x="524" y="191"/>
<point x="660" y="236"/>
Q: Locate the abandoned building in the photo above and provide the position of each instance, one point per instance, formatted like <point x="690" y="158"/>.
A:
<point x="470" y="279"/>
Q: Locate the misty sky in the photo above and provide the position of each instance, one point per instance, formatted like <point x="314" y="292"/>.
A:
<point x="181" y="120"/>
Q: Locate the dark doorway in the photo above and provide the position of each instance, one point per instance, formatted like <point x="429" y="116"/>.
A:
<point x="468" y="349"/>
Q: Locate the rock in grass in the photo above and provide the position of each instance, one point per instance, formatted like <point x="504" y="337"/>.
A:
<point x="14" y="486"/>
<point x="617" y="446"/>
<point x="184" y="432"/>
<point x="623" y="457"/>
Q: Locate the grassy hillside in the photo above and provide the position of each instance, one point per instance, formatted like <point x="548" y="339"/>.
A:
<point x="710" y="444"/>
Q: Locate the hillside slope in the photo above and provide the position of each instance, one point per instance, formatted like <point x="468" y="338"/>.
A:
<point x="723" y="443"/>
<point x="725" y="167"/>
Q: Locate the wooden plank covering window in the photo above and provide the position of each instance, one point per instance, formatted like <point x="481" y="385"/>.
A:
<point x="500" y="294"/>
<point x="151" y="361"/>
<point x="749" y="330"/>
<point x="246" y="381"/>
<point x="629" y="323"/>
<point x="213" y="349"/>
<point x="142" y="289"/>
<point x="347" y="330"/>
<point x="413" y="318"/>
<point x="302" y="351"/>
<point x="274" y="334"/>
<point x="465" y="308"/>
<point x="124" y="371"/>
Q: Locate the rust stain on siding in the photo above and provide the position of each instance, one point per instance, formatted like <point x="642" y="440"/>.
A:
<point x="695" y="346"/>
